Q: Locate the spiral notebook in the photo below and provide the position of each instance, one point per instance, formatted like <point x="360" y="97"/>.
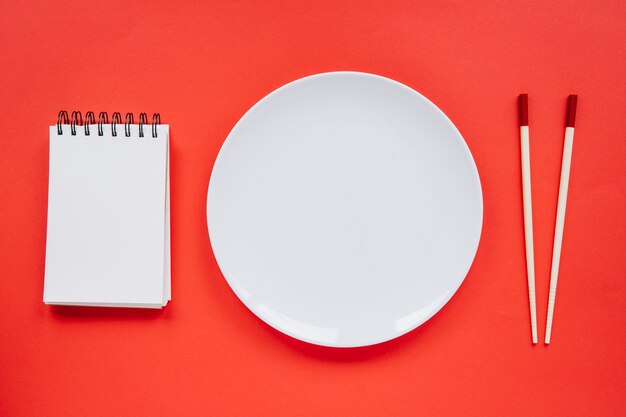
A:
<point x="108" y="236"/>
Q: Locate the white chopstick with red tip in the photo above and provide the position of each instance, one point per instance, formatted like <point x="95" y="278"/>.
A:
<point x="528" y="212"/>
<point x="560" y="210"/>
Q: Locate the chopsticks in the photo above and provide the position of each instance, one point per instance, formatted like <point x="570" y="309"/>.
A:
<point x="560" y="210"/>
<point x="528" y="212"/>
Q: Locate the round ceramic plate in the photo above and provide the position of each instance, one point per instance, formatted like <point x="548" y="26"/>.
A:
<point x="344" y="209"/>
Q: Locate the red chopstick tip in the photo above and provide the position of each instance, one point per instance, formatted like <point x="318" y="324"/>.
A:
<point x="571" y="110"/>
<point x="523" y="109"/>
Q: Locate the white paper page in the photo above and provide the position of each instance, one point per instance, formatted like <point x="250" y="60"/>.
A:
<point x="167" y="279"/>
<point x="106" y="212"/>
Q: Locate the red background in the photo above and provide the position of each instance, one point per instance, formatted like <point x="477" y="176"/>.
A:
<point x="202" y="65"/>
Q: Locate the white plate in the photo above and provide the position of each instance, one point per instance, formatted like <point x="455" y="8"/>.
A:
<point x="344" y="209"/>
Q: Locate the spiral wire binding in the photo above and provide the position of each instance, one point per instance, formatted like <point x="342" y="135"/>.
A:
<point x="76" y="119"/>
<point x="61" y="120"/>
<point x="115" y="119"/>
<point x="90" y="118"/>
<point x="156" y="120"/>
<point x="130" y="119"/>
<point x="143" y="119"/>
<point x="103" y="118"/>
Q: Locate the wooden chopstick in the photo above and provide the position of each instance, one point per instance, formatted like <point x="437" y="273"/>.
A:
<point x="560" y="210"/>
<point x="528" y="212"/>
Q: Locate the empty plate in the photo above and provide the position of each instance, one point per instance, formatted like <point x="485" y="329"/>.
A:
<point x="344" y="209"/>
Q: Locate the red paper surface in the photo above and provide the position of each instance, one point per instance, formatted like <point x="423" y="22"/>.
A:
<point x="202" y="65"/>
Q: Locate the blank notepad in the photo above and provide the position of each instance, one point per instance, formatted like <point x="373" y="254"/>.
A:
<point x="108" y="240"/>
